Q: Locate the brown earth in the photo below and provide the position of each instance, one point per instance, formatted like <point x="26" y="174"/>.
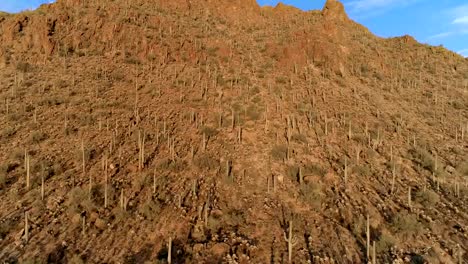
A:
<point x="218" y="124"/>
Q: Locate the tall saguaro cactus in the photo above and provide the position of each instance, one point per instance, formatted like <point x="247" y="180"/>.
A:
<point x="291" y="240"/>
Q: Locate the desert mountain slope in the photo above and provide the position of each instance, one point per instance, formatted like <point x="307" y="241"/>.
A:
<point x="225" y="130"/>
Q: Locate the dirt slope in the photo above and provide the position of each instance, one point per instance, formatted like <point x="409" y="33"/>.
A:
<point x="222" y="128"/>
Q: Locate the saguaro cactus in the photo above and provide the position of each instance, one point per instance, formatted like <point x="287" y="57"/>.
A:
<point x="291" y="240"/>
<point x="169" y="251"/>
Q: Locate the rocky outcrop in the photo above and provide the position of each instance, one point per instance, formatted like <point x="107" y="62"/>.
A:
<point x="334" y="9"/>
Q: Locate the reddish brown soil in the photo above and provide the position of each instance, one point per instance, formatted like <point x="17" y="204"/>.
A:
<point x="336" y="125"/>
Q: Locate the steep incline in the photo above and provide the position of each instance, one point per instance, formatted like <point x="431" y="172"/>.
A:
<point x="225" y="128"/>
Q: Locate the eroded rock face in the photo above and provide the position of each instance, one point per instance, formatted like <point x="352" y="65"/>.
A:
<point x="334" y="9"/>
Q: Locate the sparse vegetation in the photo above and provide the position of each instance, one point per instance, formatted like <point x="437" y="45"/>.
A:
<point x="37" y="137"/>
<point x="279" y="152"/>
<point x="406" y="224"/>
<point x="208" y="131"/>
<point x="427" y="198"/>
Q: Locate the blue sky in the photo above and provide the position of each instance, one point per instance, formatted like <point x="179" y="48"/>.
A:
<point x="436" y="22"/>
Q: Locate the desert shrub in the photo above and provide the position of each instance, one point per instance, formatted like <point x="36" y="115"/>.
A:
<point x="89" y="153"/>
<point x="208" y="131"/>
<point x="32" y="261"/>
<point x="314" y="169"/>
<point x="120" y="215"/>
<point x="132" y="60"/>
<point x="51" y="101"/>
<point x="172" y="165"/>
<point x="78" y="201"/>
<point x="4" y="170"/>
<point x="150" y="209"/>
<point x="76" y="259"/>
<point x="37" y="137"/>
<point x="424" y="158"/>
<point x="292" y="172"/>
<point x="255" y="90"/>
<point x="23" y="66"/>
<point x="253" y="113"/>
<point x="462" y="168"/>
<point x="427" y="198"/>
<point x="301" y="138"/>
<point x="8" y="132"/>
<point x="206" y="162"/>
<point x="281" y="80"/>
<point x="405" y="224"/>
<point x="15" y="117"/>
<point x="358" y="227"/>
<point x="312" y="194"/>
<point x="364" y="170"/>
<point x="384" y="243"/>
<point x="279" y="152"/>
<point x="60" y="84"/>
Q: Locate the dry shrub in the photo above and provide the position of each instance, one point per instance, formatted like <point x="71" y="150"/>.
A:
<point x="150" y="209"/>
<point x="423" y="158"/>
<point x="23" y="66"/>
<point x="314" y="169"/>
<point x="427" y="198"/>
<point x="312" y="194"/>
<point x="406" y="224"/>
<point x="384" y="243"/>
<point x="37" y="137"/>
<point x="462" y="168"/>
<point x="206" y="162"/>
<point x="279" y="152"/>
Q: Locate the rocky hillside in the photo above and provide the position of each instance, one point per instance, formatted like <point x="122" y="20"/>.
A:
<point x="218" y="131"/>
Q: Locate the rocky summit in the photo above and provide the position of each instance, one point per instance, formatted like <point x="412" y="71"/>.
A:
<point x="219" y="131"/>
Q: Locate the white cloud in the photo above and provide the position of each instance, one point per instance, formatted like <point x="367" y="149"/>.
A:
<point x="441" y="35"/>
<point x="463" y="52"/>
<point x="461" y="20"/>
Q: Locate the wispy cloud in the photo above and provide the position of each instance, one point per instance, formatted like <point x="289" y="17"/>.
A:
<point x="447" y="34"/>
<point x="366" y="5"/>
<point x="441" y="35"/>
<point x="459" y="15"/>
<point x="463" y="52"/>
<point x="461" y="20"/>
<point x="370" y="8"/>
